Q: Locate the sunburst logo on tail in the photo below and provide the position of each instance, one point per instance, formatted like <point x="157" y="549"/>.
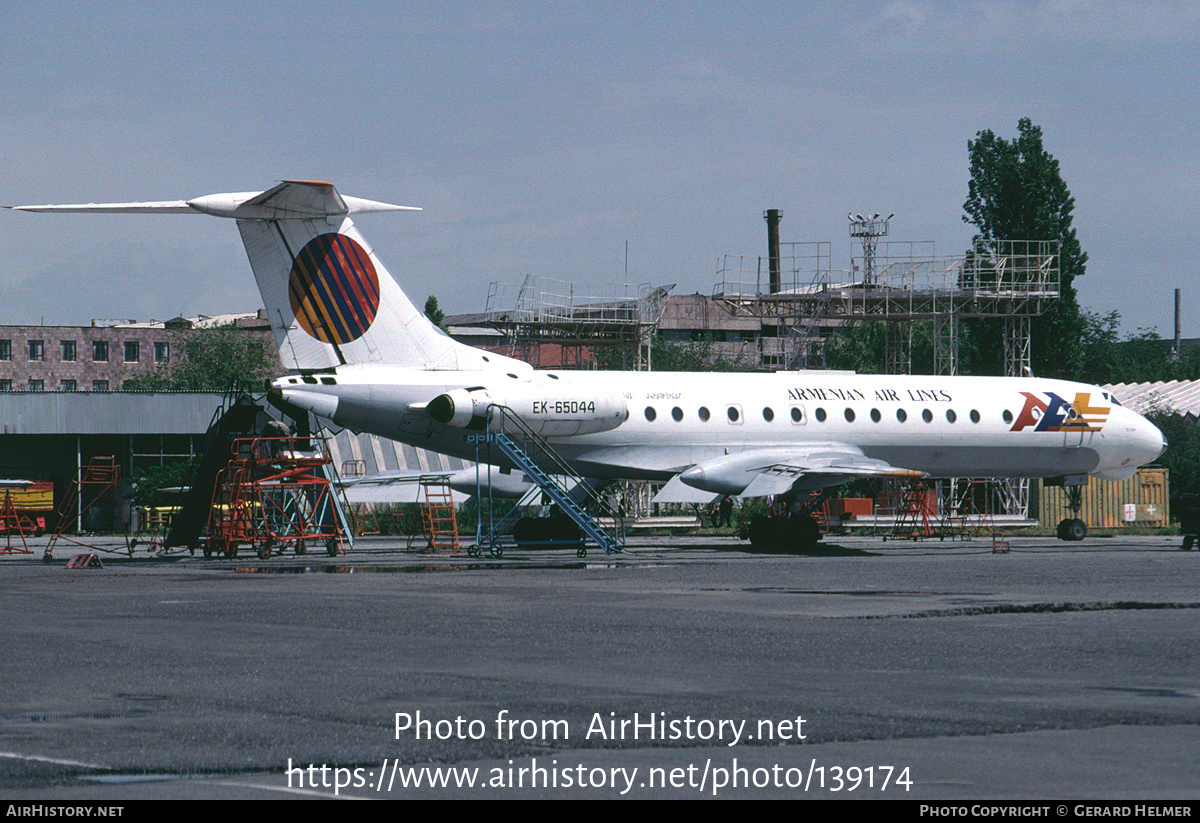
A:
<point x="334" y="289"/>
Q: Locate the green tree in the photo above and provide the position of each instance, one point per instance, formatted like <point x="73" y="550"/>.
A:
<point x="436" y="316"/>
<point x="1182" y="457"/>
<point x="1017" y="193"/>
<point x="666" y="355"/>
<point x="861" y="346"/>
<point x="148" y="482"/>
<point x="213" y="359"/>
<point x="1138" y="358"/>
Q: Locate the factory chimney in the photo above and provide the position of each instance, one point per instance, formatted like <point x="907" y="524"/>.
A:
<point x="1178" y="323"/>
<point x="772" y="216"/>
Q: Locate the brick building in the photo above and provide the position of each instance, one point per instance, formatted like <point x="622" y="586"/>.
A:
<point x="102" y="356"/>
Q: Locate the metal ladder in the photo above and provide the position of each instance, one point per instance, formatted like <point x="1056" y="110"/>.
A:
<point x="541" y="464"/>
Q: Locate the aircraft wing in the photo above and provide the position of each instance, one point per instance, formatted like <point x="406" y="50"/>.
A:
<point x="392" y="478"/>
<point x="762" y="472"/>
<point x="676" y="491"/>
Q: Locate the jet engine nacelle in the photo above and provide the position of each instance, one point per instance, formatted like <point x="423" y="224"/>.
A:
<point x="548" y="413"/>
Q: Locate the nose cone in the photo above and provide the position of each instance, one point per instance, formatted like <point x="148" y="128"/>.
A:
<point x="1135" y="442"/>
<point x="1150" y="441"/>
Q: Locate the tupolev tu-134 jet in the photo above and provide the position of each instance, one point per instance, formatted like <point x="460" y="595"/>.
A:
<point x="362" y="356"/>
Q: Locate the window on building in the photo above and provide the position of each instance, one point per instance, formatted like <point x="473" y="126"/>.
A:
<point x="133" y="351"/>
<point x="100" y="351"/>
<point x="99" y="385"/>
<point x="162" y="352"/>
<point x="5" y="350"/>
<point x="37" y="350"/>
<point x="37" y="385"/>
<point x="66" y="385"/>
<point x="67" y="350"/>
<point x="5" y="385"/>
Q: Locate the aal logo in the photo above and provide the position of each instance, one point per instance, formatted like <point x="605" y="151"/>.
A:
<point x="1057" y="415"/>
<point x="333" y="289"/>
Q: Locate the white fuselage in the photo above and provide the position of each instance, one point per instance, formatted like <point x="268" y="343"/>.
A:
<point x="940" y="426"/>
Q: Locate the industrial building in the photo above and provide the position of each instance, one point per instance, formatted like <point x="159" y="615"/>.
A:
<point x="102" y="356"/>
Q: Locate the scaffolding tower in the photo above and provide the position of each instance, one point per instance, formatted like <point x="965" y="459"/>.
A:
<point x="896" y="283"/>
<point x="576" y="318"/>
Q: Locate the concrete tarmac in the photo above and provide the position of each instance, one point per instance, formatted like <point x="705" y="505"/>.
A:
<point x="685" y="667"/>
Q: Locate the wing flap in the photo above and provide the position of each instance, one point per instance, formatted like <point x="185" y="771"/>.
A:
<point x="762" y="472"/>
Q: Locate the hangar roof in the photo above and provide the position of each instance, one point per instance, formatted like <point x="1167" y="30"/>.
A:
<point x="107" y="412"/>
<point x="1182" y="396"/>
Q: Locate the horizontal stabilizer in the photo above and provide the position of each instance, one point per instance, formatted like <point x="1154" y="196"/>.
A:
<point x="290" y="200"/>
<point x="161" y="207"/>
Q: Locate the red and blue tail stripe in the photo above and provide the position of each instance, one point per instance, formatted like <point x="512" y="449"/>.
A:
<point x="334" y="289"/>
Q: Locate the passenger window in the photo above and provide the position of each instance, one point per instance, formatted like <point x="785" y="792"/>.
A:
<point x="677" y="413"/>
<point x="1008" y="418"/>
<point x="734" y="413"/>
<point x="875" y="415"/>
<point x="951" y="416"/>
<point x="901" y="415"/>
<point x="768" y="414"/>
<point x="849" y="415"/>
<point x="798" y="415"/>
<point x="974" y="416"/>
<point x="704" y="414"/>
<point x="820" y="415"/>
<point x="651" y="413"/>
<point x="927" y="416"/>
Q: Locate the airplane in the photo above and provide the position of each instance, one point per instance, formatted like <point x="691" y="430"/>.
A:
<point x="362" y="356"/>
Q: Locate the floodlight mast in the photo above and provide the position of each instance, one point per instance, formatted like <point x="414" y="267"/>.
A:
<point x="869" y="229"/>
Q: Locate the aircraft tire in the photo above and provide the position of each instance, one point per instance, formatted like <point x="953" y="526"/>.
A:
<point x="807" y="533"/>
<point x="1062" y="529"/>
<point x="264" y="550"/>
<point x="1076" y="530"/>
<point x="527" y="530"/>
<point x="759" y="532"/>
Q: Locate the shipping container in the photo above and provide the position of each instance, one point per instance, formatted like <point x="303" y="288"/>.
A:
<point x="1141" y="501"/>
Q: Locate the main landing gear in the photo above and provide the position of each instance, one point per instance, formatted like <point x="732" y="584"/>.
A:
<point x="790" y="528"/>
<point x="788" y="532"/>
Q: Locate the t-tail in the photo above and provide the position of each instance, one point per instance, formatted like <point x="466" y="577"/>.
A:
<point x="330" y="300"/>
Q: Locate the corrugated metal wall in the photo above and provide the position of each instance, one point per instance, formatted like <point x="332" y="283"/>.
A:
<point x="1140" y="501"/>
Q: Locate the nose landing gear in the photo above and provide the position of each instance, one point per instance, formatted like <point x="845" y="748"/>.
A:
<point x="1073" y="528"/>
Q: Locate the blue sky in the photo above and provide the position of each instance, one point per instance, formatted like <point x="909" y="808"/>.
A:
<point x="541" y="137"/>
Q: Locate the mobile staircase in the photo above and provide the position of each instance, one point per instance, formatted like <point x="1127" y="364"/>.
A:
<point x="530" y="453"/>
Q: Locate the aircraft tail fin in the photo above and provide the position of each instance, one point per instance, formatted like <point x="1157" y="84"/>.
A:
<point x="330" y="300"/>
